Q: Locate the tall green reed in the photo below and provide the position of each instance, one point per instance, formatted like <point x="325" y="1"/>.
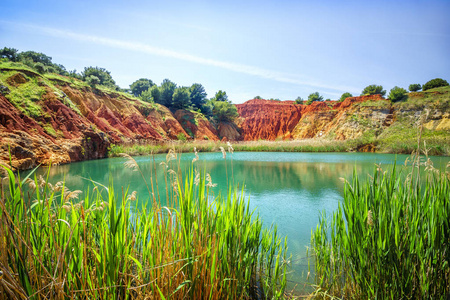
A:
<point x="390" y="238"/>
<point x="107" y="247"/>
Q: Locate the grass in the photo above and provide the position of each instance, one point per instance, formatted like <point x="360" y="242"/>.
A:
<point x="389" y="239"/>
<point x="106" y="247"/>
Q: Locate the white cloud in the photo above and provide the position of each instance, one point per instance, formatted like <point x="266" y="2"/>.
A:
<point x="151" y="50"/>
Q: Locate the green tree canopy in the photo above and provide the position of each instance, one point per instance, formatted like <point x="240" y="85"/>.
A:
<point x="257" y="97"/>
<point x="373" y="89"/>
<point x="434" y="83"/>
<point x="397" y="94"/>
<point x="140" y="86"/>
<point x="299" y="100"/>
<point x="9" y="53"/>
<point x="102" y="74"/>
<point x="221" y="96"/>
<point x="415" y="87"/>
<point x="224" y="111"/>
<point x="314" y="97"/>
<point x="181" y="98"/>
<point x="167" y="89"/>
<point x="92" y="80"/>
<point x="345" y="96"/>
<point x="40" y="67"/>
<point x="197" y="95"/>
<point x="35" y="57"/>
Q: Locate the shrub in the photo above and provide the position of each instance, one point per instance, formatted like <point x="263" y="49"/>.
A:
<point x="345" y="96"/>
<point x="314" y="97"/>
<point x="299" y="100"/>
<point x="40" y="67"/>
<point x="415" y="87"/>
<point x="434" y="83"/>
<point x="373" y="89"/>
<point x="224" y="111"/>
<point x="181" y="137"/>
<point x="92" y="80"/>
<point x="397" y="94"/>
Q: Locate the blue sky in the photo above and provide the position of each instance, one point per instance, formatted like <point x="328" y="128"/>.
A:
<point x="274" y="49"/>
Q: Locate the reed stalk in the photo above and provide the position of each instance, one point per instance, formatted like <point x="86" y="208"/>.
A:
<point x="107" y="247"/>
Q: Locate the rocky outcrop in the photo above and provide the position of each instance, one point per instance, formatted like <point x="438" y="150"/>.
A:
<point x="268" y="119"/>
<point x="196" y="125"/>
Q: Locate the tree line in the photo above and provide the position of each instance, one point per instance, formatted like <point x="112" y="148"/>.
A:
<point x="395" y="94"/>
<point x="168" y="93"/>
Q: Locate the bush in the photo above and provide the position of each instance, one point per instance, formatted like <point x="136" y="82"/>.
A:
<point x="397" y="94"/>
<point x="224" y="111"/>
<point x="92" y="80"/>
<point x="434" y="83"/>
<point x="314" y="97"/>
<point x="299" y="100"/>
<point x="140" y="86"/>
<point x="181" y="137"/>
<point x="345" y="96"/>
<point x="40" y="67"/>
<point x="415" y="87"/>
<point x="373" y="89"/>
<point x="104" y="77"/>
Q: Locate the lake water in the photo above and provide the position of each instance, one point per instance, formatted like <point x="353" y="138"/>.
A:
<point x="289" y="190"/>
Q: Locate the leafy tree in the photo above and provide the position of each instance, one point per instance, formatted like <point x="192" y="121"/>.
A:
<point x="415" y="87"/>
<point x="181" y="98"/>
<point x="9" y="53"/>
<point x="167" y="89"/>
<point x="36" y="57"/>
<point x="102" y="74"/>
<point x="434" y="83"/>
<point x="221" y="96"/>
<point x="224" y="111"/>
<point x="40" y="67"/>
<point x="92" y="80"/>
<point x="373" y="89"/>
<point x="146" y="96"/>
<point x="258" y="97"/>
<point x="397" y="94"/>
<point x="314" y="97"/>
<point x="140" y="86"/>
<point x="345" y="96"/>
<point x="197" y="95"/>
<point x="74" y="74"/>
<point x="299" y="100"/>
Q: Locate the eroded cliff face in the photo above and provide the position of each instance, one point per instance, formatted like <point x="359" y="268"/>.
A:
<point x="61" y="120"/>
<point x="75" y="123"/>
<point x="268" y="119"/>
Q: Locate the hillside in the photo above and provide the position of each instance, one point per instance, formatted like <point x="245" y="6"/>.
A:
<point x="53" y="119"/>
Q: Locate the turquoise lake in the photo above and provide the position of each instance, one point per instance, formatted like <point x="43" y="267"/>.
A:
<point x="289" y="190"/>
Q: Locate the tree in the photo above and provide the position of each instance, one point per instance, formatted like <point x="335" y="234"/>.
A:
<point x="140" y="86"/>
<point x="415" y="87"/>
<point x="397" y="94"/>
<point x="434" y="83"/>
<point x="299" y="100"/>
<point x="373" y="89"/>
<point x="198" y="95"/>
<point x="9" y="53"/>
<point x="102" y="74"/>
<point x="314" y="97"/>
<point x="221" y="96"/>
<point x="181" y="98"/>
<point x="167" y="89"/>
<point x="40" y="68"/>
<point x="224" y="111"/>
<point x="345" y="96"/>
<point x="92" y="80"/>
<point x="258" y="97"/>
<point x="36" y="57"/>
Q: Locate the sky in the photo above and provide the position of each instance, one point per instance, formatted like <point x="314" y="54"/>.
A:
<point x="272" y="49"/>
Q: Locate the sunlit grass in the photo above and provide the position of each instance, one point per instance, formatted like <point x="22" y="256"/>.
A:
<point x="106" y="247"/>
<point x="389" y="239"/>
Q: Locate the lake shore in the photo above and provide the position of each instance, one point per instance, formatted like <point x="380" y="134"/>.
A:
<point x="435" y="146"/>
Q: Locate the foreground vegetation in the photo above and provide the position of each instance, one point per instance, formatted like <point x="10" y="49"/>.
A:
<point x="390" y="238"/>
<point x="105" y="247"/>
